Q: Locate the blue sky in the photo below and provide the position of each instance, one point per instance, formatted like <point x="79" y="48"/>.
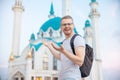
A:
<point x="36" y="13"/>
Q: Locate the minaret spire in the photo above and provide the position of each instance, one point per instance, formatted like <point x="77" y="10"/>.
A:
<point x="51" y="15"/>
<point x="66" y="7"/>
<point x="18" y="9"/>
<point x="18" y="2"/>
<point x="51" y="9"/>
<point x="94" y="16"/>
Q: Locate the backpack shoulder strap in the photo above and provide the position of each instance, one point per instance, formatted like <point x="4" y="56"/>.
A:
<point x="72" y="43"/>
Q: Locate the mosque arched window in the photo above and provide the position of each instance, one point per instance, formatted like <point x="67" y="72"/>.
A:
<point x="54" y="63"/>
<point x="45" y="61"/>
<point x="60" y="32"/>
<point x="41" y="34"/>
<point x="33" y="58"/>
<point x="51" y="32"/>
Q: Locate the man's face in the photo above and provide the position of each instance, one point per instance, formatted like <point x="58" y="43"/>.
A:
<point x="67" y="26"/>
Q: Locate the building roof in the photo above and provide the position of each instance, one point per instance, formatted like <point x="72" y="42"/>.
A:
<point x="36" y="46"/>
<point x="54" y="23"/>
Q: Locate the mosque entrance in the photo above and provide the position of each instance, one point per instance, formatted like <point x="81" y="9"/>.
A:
<point x="18" y="76"/>
<point x="38" y="78"/>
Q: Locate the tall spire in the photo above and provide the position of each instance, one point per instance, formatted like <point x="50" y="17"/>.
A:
<point x="94" y="16"/>
<point x="51" y="9"/>
<point x="66" y="7"/>
<point x="18" y="9"/>
<point x="51" y="15"/>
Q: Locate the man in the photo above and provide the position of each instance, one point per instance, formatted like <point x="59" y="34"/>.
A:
<point x="69" y="62"/>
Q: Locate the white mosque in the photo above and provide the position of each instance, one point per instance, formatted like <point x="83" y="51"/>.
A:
<point x="36" y="62"/>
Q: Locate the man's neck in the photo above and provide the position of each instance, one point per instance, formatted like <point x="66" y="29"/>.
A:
<point x="68" y="36"/>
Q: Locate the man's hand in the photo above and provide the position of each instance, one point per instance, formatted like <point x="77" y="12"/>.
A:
<point x="45" y="42"/>
<point x="53" y="48"/>
<point x="60" y="49"/>
<point x="51" y="44"/>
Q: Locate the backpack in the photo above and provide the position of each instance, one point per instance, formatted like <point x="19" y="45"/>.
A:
<point x="88" y="60"/>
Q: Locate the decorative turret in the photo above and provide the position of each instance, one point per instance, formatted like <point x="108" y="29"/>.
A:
<point x="51" y="15"/>
<point x="32" y="38"/>
<point x="11" y="57"/>
<point x="88" y="32"/>
<point x="29" y="55"/>
<point x="87" y="23"/>
<point x="18" y="5"/>
<point x="94" y="12"/>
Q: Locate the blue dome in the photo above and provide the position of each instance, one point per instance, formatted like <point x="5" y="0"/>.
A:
<point x="54" y="23"/>
<point x="87" y="23"/>
<point x="32" y="37"/>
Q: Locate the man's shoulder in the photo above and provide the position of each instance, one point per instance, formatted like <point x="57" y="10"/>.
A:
<point x="79" y="37"/>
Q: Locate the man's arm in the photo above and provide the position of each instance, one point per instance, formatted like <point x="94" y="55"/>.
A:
<point x="79" y="57"/>
<point x="55" y="53"/>
<point x="80" y="52"/>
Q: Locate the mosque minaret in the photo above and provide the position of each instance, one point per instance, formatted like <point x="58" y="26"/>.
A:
<point x="97" y="65"/>
<point x="18" y="9"/>
<point x="66" y="7"/>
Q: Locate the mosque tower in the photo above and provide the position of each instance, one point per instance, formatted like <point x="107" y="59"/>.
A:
<point x="97" y="64"/>
<point x="66" y="7"/>
<point x="18" y="9"/>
